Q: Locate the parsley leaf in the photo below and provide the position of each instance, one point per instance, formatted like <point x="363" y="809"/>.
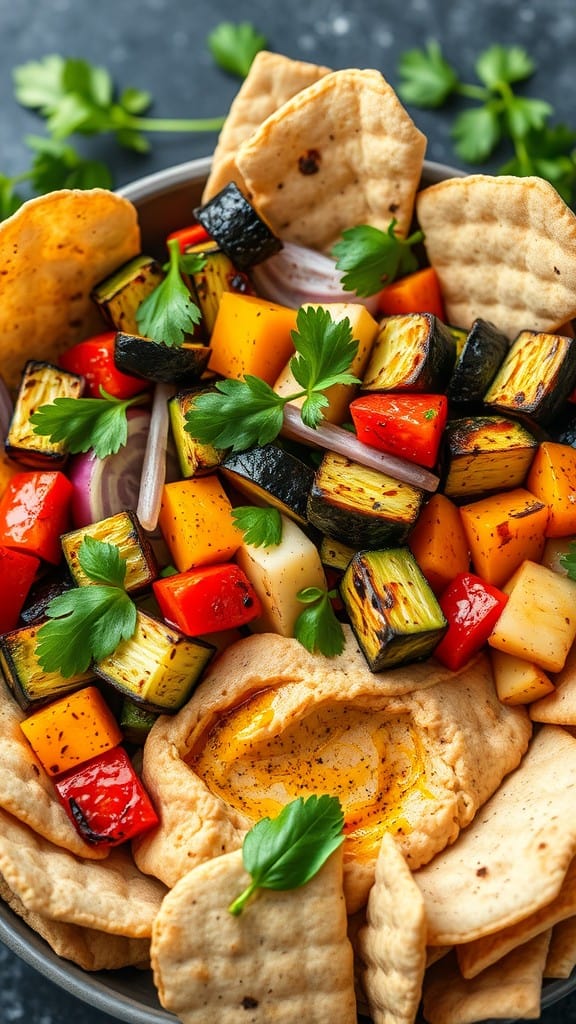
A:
<point x="58" y="165"/>
<point x="500" y="64"/>
<point x="102" y="561"/>
<point x="169" y="313"/>
<point x="287" y="851"/>
<point x="427" y="80"/>
<point x="84" y="423"/>
<point x="10" y="200"/>
<point x="261" y="527"/>
<point x="568" y="561"/>
<point x="372" y="258"/>
<point x="476" y="133"/>
<point x="234" y="47"/>
<point x="317" y="627"/>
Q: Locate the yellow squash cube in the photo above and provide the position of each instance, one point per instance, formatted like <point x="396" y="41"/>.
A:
<point x="196" y="522"/>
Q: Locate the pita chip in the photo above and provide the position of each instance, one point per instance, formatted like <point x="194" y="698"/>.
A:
<point x="561" y="959"/>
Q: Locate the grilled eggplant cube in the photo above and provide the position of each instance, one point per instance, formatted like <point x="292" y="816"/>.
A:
<point x="391" y="607"/>
<point x="123" y="530"/>
<point x="42" y="384"/>
<point x="536" y="377"/>
<point x="412" y="352"/>
<point x="218" y="275"/>
<point x="119" y="296"/>
<point x="361" y="507"/>
<point x="158" y="667"/>
<point x="269" y="474"/>
<point x="194" y="457"/>
<point x="483" y="454"/>
<point x="231" y="220"/>
<point x="27" y="680"/>
<point x="478" y="362"/>
<point x="151" y="360"/>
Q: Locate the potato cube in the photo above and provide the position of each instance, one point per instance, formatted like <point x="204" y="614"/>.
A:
<point x="518" y="681"/>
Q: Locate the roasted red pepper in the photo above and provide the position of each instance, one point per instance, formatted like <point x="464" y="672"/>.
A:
<point x="407" y="425"/>
<point x="105" y="799"/>
<point x="195" y="234"/>
<point x="34" y="511"/>
<point x="93" y="359"/>
<point x="17" y="572"/>
<point x="207" y="600"/>
<point x="472" y="608"/>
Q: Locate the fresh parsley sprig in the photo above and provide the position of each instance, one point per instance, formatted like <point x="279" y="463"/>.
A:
<point x="372" y="258"/>
<point x="261" y="527"/>
<point x="287" y="851"/>
<point x="317" y="627"/>
<point x="234" y="47"/>
<point x="240" y="413"/>
<point x="84" y="423"/>
<point x="169" y="312"/>
<point x="88" y="622"/>
<point x="568" y="561"/>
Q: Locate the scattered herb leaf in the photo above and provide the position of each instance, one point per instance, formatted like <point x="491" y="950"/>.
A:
<point x="261" y="527"/>
<point x="317" y="627"/>
<point x="568" y="561"/>
<point x="234" y="47"/>
<point x="84" y="423"/>
<point x="372" y="258"/>
<point x="169" y="313"/>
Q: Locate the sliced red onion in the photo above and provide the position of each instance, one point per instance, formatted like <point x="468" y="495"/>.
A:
<point x="295" y="276"/>
<point x="335" y="439"/>
<point x="6" y="408"/>
<point x="154" y="468"/>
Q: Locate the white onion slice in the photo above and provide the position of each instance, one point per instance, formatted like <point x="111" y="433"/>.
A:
<point x="335" y="439"/>
<point x="6" y="408"/>
<point x="295" y="276"/>
<point x="154" y="468"/>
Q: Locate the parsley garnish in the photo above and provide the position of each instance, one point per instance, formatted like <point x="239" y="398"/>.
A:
<point x="287" y="851"/>
<point x="84" y="423"/>
<point x="240" y="413"/>
<point x="88" y="622"/>
<point x="568" y="561"/>
<point x="169" y="312"/>
<point x="317" y="627"/>
<point x="261" y="527"/>
<point x="373" y="258"/>
<point x="234" y="47"/>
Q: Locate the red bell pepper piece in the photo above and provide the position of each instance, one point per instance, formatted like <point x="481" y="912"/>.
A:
<point x="35" y="511"/>
<point x="407" y="425"/>
<point x="93" y="359"/>
<point x="472" y="608"/>
<point x="415" y="293"/>
<point x="105" y="799"/>
<point x="194" y="234"/>
<point x="207" y="600"/>
<point x="17" y="572"/>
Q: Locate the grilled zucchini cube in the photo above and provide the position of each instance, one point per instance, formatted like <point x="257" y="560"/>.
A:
<point x="119" y="296"/>
<point x="268" y="474"/>
<point x="135" y="722"/>
<point x="483" y="454"/>
<point x="151" y="360"/>
<point x="536" y="377"/>
<point x="334" y="554"/>
<point x="158" y="667"/>
<point x="218" y="275"/>
<point x="193" y="456"/>
<point x="391" y="607"/>
<point x="27" y="680"/>
<point x="42" y="384"/>
<point x="123" y="530"/>
<point x="478" y="362"/>
<point x="361" y="507"/>
<point x="412" y="352"/>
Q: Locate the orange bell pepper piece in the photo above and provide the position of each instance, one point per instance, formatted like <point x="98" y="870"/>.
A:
<point x="72" y="730"/>
<point x="416" y="293"/>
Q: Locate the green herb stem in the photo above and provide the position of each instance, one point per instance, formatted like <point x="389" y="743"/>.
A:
<point x="237" y="905"/>
<point x="167" y="124"/>
<point x="473" y="92"/>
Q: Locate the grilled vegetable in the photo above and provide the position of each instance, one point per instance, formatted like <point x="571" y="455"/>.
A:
<point x="17" y="572"/>
<point x="410" y="426"/>
<point x="334" y="554"/>
<point x="438" y="542"/>
<point x="207" y="600"/>
<point x="218" y="275"/>
<point x="552" y="478"/>
<point x="29" y="683"/>
<point x="120" y="295"/>
<point x="71" y="730"/>
<point x="269" y="474"/>
<point x="418" y="292"/>
<point x="34" y="511"/>
<point x="93" y="359"/>
<point x="193" y="456"/>
<point x="518" y="681"/>
<point x="392" y="609"/>
<point x="478" y="362"/>
<point x="234" y="224"/>
<point x="472" y="608"/>
<point x="359" y="506"/>
<point x="504" y="530"/>
<point x="158" y="668"/>
<point x="123" y="530"/>
<point x="42" y="383"/>
<point x="135" y="722"/>
<point x="412" y="352"/>
<point x="536" y="377"/>
<point x="196" y="522"/>
<point x="151" y="360"/>
<point x="484" y="454"/>
<point x="251" y="336"/>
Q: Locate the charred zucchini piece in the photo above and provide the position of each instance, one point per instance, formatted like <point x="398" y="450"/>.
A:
<point x="151" y="360"/>
<point x="412" y="352"/>
<point x="158" y="667"/>
<point x="391" y="608"/>
<point x="536" y="377"/>
<point x="459" y="334"/>
<point x="483" y="454"/>
<point x="135" y="722"/>
<point x="269" y="474"/>
<point x="361" y="507"/>
<point x="120" y="295"/>
<point x="334" y="554"/>
<point x="41" y="384"/>
<point x="123" y="530"/>
<point x="234" y="224"/>
<point x="29" y="683"/>
<point x="218" y="275"/>
<point x="478" y="362"/>
<point x="44" y="590"/>
<point x="193" y="456"/>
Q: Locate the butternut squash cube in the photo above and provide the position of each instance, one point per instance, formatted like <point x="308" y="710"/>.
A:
<point x="196" y="522"/>
<point x="439" y="543"/>
<point x="518" y="681"/>
<point x="552" y="478"/>
<point x="251" y="335"/>
<point x="538" y="622"/>
<point x="72" y="730"/>
<point x="503" y="531"/>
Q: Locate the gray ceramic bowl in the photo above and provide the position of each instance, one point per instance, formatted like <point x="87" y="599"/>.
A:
<point x="165" y="202"/>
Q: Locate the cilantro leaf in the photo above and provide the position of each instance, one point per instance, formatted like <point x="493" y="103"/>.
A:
<point x="476" y="133"/>
<point x="102" y="562"/>
<point x="169" y="313"/>
<point x="86" y="623"/>
<point x="84" y="423"/>
<point x="506" y="64"/>
<point x="39" y="85"/>
<point x="10" y="201"/>
<point x="427" y="80"/>
<point x="234" y="47"/>
<point x="317" y="627"/>
<point x="261" y="527"/>
<point x="58" y="165"/>
<point x="372" y="258"/>
<point x="523" y="115"/>
<point x="287" y="851"/>
<point x="568" y="561"/>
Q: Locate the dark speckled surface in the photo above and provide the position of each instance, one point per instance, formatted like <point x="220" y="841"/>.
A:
<point x="159" y="45"/>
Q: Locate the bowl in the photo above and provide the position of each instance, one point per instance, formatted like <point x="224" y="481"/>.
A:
<point x="165" y="201"/>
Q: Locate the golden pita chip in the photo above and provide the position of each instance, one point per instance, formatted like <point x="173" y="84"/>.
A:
<point x="504" y="249"/>
<point x="67" y="242"/>
<point x="340" y="153"/>
<point x="512" y="860"/>
<point x="393" y="943"/>
<point x="561" y="959"/>
<point x="110" y="896"/>
<point x="559" y="707"/>
<point x="510" y="989"/>
<point x="271" y="81"/>
<point x="286" y="957"/>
